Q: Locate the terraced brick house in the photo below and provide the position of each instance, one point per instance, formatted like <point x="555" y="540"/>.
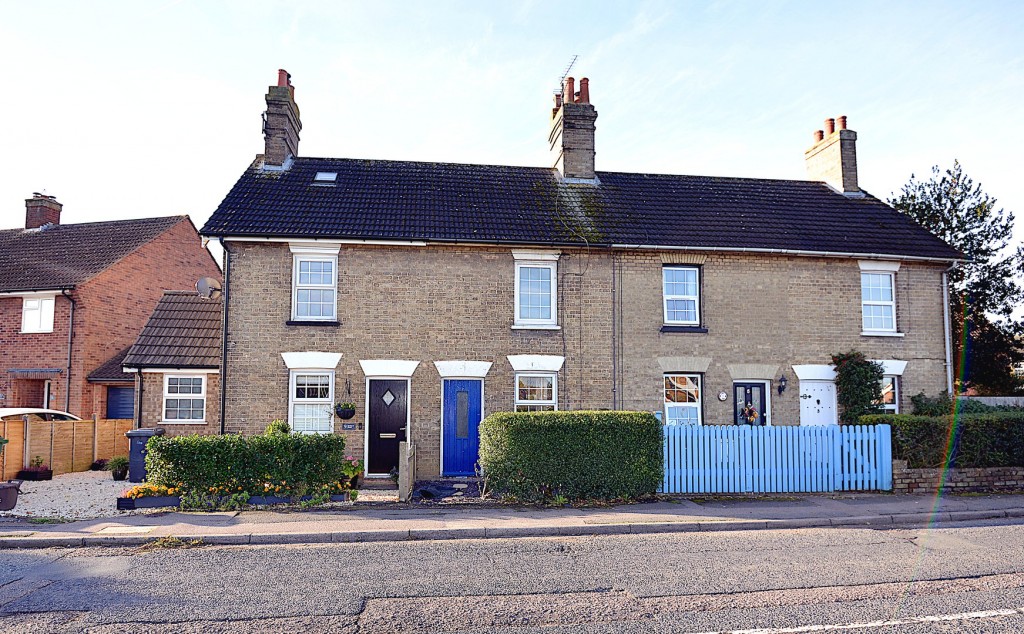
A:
<point x="73" y="297"/>
<point x="431" y="294"/>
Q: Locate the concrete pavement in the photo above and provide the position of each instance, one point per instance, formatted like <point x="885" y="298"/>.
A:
<point x="396" y="522"/>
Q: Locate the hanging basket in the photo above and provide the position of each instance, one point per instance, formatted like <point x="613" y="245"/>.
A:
<point x="345" y="413"/>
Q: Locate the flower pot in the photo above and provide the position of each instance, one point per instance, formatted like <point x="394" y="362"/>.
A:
<point x="119" y="474"/>
<point x="149" y="502"/>
<point x="9" y="494"/>
<point x="345" y="413"/>
<point x="34" y="474"/>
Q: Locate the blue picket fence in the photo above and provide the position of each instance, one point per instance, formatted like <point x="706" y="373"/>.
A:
<point x="743" y="459"/>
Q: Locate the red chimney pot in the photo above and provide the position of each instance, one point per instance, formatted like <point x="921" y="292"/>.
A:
<point x="584" y="90"/>
<point x="818" y="135"/>
<point x="830" y="126"/>
<point x="842" y="122"/>
<point x="283" y="78"/>
<point x="569" y="90"/>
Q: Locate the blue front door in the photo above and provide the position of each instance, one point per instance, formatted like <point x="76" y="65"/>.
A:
<point x="462" y="412"/>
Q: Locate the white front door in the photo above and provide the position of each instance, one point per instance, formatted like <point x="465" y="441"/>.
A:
<point x="818" y="403"/>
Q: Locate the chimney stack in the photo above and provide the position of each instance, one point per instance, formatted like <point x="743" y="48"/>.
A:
<point x="281" y="124"/>
<point x="571" y="137"/>
<point x="833" y="158"/>
<point x="41" y="210"/>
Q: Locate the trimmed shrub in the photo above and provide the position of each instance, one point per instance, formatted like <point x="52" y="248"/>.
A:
<point x="942" y="405"/>
<point x="537" y="456"/>
<point x="858" y="386"/>
<point x="981" y="440"/>
<point x="289" y="465"/>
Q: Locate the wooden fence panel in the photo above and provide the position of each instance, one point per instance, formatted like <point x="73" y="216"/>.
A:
<point x="723" y="459"/>
<point x="64" y="446"/>
<point x="110" y="438"/>
<point x="12" y="460"/>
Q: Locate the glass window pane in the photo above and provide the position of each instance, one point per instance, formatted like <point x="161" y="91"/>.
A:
<point x="462" y="414"/>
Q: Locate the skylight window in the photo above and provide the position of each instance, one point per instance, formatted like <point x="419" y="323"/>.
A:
<point x="325" y="178"/>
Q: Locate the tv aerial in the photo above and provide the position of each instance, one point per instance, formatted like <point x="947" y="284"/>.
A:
<point x="565" y="73"/>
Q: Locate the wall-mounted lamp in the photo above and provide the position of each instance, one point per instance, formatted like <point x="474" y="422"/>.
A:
<point x="782" y="384"/>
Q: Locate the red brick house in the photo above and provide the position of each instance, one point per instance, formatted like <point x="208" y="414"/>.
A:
<point x="75" y="296"/>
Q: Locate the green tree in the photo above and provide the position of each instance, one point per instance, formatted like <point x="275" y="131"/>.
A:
<point x="985" y="290"/>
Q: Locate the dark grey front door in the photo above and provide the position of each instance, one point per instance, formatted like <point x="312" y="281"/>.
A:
<point x="389" y="407"/>
<point x="749" y="404"/>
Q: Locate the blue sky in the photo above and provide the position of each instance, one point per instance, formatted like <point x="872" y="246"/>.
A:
<point x="135" y="109"/>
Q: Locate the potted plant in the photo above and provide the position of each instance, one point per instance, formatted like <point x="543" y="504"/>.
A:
<point x="36" y="471"/>
<point x="118" y="467"/>
<point x="345" y="410"/>
<point x="353" y="471"/>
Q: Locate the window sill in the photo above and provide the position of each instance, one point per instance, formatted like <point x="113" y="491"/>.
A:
<point x="880" y="333"/>
<point x="36" y="332"/>
<point x="536" y="327"/>
<point x="183" y="422"/>
<point x="696" y="329"/>
<point x="311" y="322"/>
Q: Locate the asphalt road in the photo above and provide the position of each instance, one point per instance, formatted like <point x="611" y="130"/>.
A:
<point x="958" y="578"/>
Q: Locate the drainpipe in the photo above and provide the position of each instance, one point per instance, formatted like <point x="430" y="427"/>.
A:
<point x="138" y="413"/>
<point x="71" y="333"/>
<point x="946" y="324"/>
<point x="224" y="336"/>
<point x="615" y="344"/>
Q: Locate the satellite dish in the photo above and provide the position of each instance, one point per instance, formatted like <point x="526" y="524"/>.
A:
<point x="208" y="287"/>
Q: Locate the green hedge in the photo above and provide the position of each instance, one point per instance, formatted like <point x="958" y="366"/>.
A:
<point x="289" y="465"/>
<point x="982" y="440"/>
<point x="537" y="456"/>
<point x="942" y="405"/>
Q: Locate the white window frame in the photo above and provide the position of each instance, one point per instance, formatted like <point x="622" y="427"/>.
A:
<point x="328" y="403"/>
<point x="895" y="407"/>
<point x="168" y="395"/>
<point x="887" y="269"/>
<point x="665" y="297"/>
<point x="554" y="390"/>
<point x="699" y="405"/>
<point x="549" y="261"/>
<point x="314" y="253"/>
<point x="37" y="313"/>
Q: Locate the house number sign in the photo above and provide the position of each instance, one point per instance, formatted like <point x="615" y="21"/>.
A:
<point x="722" y="396"/>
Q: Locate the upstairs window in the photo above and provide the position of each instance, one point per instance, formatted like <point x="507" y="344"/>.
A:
<point x="682" y="399"/>
<point x="536" y="392"/>
<point x="878" y="303"/>
<point x="681" y="295"/>
<point x="536" y="290"/>
<point x="37" y="314"/>
<point x="878" y="297"/>
<point x="314" y="296"/>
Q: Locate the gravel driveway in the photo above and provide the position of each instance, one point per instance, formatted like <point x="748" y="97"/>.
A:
<point x="83" y="495"/>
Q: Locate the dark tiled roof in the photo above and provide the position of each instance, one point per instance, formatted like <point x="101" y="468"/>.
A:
<point x="184" y="331"/>
<point x="62" y="256"/>
<point x="523" y="205"/>
<point x="111" y="370"/>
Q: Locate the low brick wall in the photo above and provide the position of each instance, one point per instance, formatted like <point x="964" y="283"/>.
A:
<point x="979" y="480"/>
